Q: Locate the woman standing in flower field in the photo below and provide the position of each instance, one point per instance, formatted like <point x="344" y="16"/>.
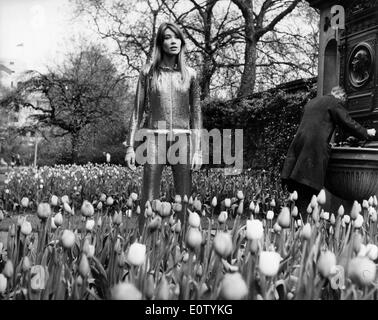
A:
<point x="167" y="108"/>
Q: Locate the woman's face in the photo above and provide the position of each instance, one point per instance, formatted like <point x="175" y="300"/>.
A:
<point x="171" y="43"/>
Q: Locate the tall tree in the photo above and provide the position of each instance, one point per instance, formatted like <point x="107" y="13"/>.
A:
<point x="82" y="91"/>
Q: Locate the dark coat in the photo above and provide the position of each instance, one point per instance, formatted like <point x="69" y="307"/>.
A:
<point x="307" y="158"/>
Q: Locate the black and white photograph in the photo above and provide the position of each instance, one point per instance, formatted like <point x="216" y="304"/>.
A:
<point x="185" y="153"/>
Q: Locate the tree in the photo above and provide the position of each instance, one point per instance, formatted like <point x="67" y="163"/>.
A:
<point x="81" y="92"/>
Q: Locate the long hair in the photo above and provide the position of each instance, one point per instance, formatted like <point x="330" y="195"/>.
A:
<point x="158" y="54"/>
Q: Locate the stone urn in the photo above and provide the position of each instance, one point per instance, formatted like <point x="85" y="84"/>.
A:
<point x="352" y="173"/>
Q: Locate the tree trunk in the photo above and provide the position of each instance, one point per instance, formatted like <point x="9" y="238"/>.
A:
<point x="74" y="146"/>
<point x="248" y="79"/>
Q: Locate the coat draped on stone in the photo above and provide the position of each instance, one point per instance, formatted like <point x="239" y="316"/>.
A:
<point x="307" y="158"/>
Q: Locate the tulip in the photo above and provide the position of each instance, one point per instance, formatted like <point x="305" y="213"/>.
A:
<point x="68" y="239"/>
<point x="89" y="225"/>
<point x="129" y="213"/>
<point x="356" y="209"/>
<point x="149" y="287"/>
<point x="358" y="221"/>
<point x="117" y="218"/>
<point x="129" y="203"/>
<point x="99" y="222"/>
<point x="255" y="229"/>
<point x="375" y="200"/>
<point x="58" y="219"/>
<point x="372" y="251"/>
<point x="214" y="202"/>
<point x="269" y="215"/>
<point x="340" y="211"/>
<point x="357" y="242"/>
<point x="53" y="225"/>
<point x="332" y="219"/>
<point x="254" y="247"/>
<point x="165" y="209"/>
<point x="362" y="271"/>
<point x="84" y="268"/>
<point x="309" y="209"/>
<point x="163" y="289"/>
<point x="109" y="201"/>
<point x="294" y="195"/>
<point x="326" y="262"/>
<point x="223" y="244"/>
<point x="222" y="218"/>
<point x="294" y="211"/>
<point x="257" y="208"/>
<point x="65" y="199"/>
<point x="25" y="202"/>
<point x="272" y="203"/>
<point x="103" y="197"/>
<point x="26" y="228"/>
<point x="306" y="232"/>
<point x="240" y="195"/>
<point x="25" y="264"/>
<point x="125" y="291"/>
<point x="136" y="254"/>
<point x="346" y="219"/>
<point x="87" y="209"/>
<point x="118" y="246"/>
<point x="314" y="201"/>
<point x="227" y="202"/>
<point x="252" y="206"/>
<point x="197" y="205"/>
<point x="99" y="205"/>
<point x="54" y="200"/>
<point x="155" y="223"/>
<point x="284" y="218"/>
<point x="269" y="263"/>
<point x="178" y="198"/>
<point x="8" y="269"/>
<point x="156" y="205"/>
<point x="194" y="219"/>
<point x="133" y="196"/>
<point x="67" y="208"/>
<point x="233" y="287"/>
<point x="326" y="215"/>
<point x="193" y="238"/>
<point x="185" y="199"/>
<point x="3" y="283"/>
<point x="276" y="227"/>
<point x="44" y="210"/>
<point x="321" y="198"/>
<point x="177" y="227"/>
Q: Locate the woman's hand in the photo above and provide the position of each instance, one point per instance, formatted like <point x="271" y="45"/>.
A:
<point x="130" y="158"/>
<point x="197" y="160"/>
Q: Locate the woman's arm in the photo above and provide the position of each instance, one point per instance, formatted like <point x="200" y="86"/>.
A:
<point x="137" y="114"/>
<point x="195" y="110"/>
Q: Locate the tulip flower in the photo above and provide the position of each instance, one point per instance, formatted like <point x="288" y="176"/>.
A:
<point x="222" y="218"/>
<point x="321" y="198"/>
<point x="272" y="203"/>
<point x="103" y="197"/>
<point x="68" y="239"/>
<point x="240" y="195"/>
<point x="136" y="254"/>
<point x="193" y="238"/>
<point x="257" y="208"/>
<point x="125" y="291"/>
<point x="3" y="283"/>
<point x="223" y="244"/>
<point x="227" y="202"/>
<point x="277" y="227"/>
<point x="87" y="209"/>
<point x="326" y="261"/>
<point x="255" y="229"/>
<point x="372" y="251"/>
<point x="163" y="289"/>
<point x="84" y="268"/>
<point x="165" y="209"/>
<point x="284" y="218"/>
<point x="44" y="210"/>
<point x="294" y="211"/>
<point x="26" y="228"/>
<point x="25" y="202"/>
<point x="197" y="205"/>
<point x="269" y="215"/>
<point x="269" y="263"/>
<point x="306" y="232"/>
<point x="89" y="225"/>
<point x="252" y="206"/>
<point x="214" y="202"/>
<point x="58" y="219"/>
<point x="109" y="201"/>
<point x="8" y="269"/>
<point x="54" y="201"/>
<point x="362" y="271"/>
<point x="233" y="287"/>
<point x="194" y="219"/>
<point x="65" y="199"/>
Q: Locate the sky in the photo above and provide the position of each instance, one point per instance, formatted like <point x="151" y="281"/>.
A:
<point x="35" y="33"/>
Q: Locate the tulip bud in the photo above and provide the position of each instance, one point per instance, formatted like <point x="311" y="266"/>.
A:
<point x="58" y="219"/>
<point x="67" y="208"/>
<point x="163" y="289"/>
<point x="240" y="195"/>
<point x="8" y="269"/>
<point x="103" y="197"/>
<point x="272" y="203"/>
<point x="133" y="196"/>
<point x="326" y="262"/>
<point x="284" y="218"/>
<point x="65" y="199"/>
<point x="269" y="263"/>
<point x="222" y="218"/>
<point x="68" y="239"/>
<point x="84" y="268"/>
<point x="223" y="244"/>
<point x="294" y="195"/>
<point x="125" y="291"/>
<point x="129" y="203"/>
<point x="54" y="200"/>
<point x="136" y="254"/>
<point x="233" y="287"/>
<point x="193" y="238"/>
<point x="309" y="209"/>
<point x="340" y="211"/>
<point x="332" y="219"/>
<point x="185" y="199"/>
<point x="321" y="197"/>
<point x="44" y="210"/>
<point x="255" y="229"/>
<point x="306" y="232"/>
<point x="314" y="201"/>
<point x="194" y="219"/>
<point x="99" y="222"/>
<point x="252" y="206"/>
<point x="294" y="211"/>
<point x="3" y="283"/>
<point x="26" y="228"/>
<point x="227" y="202"/>
<point x="270" y="215"/>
